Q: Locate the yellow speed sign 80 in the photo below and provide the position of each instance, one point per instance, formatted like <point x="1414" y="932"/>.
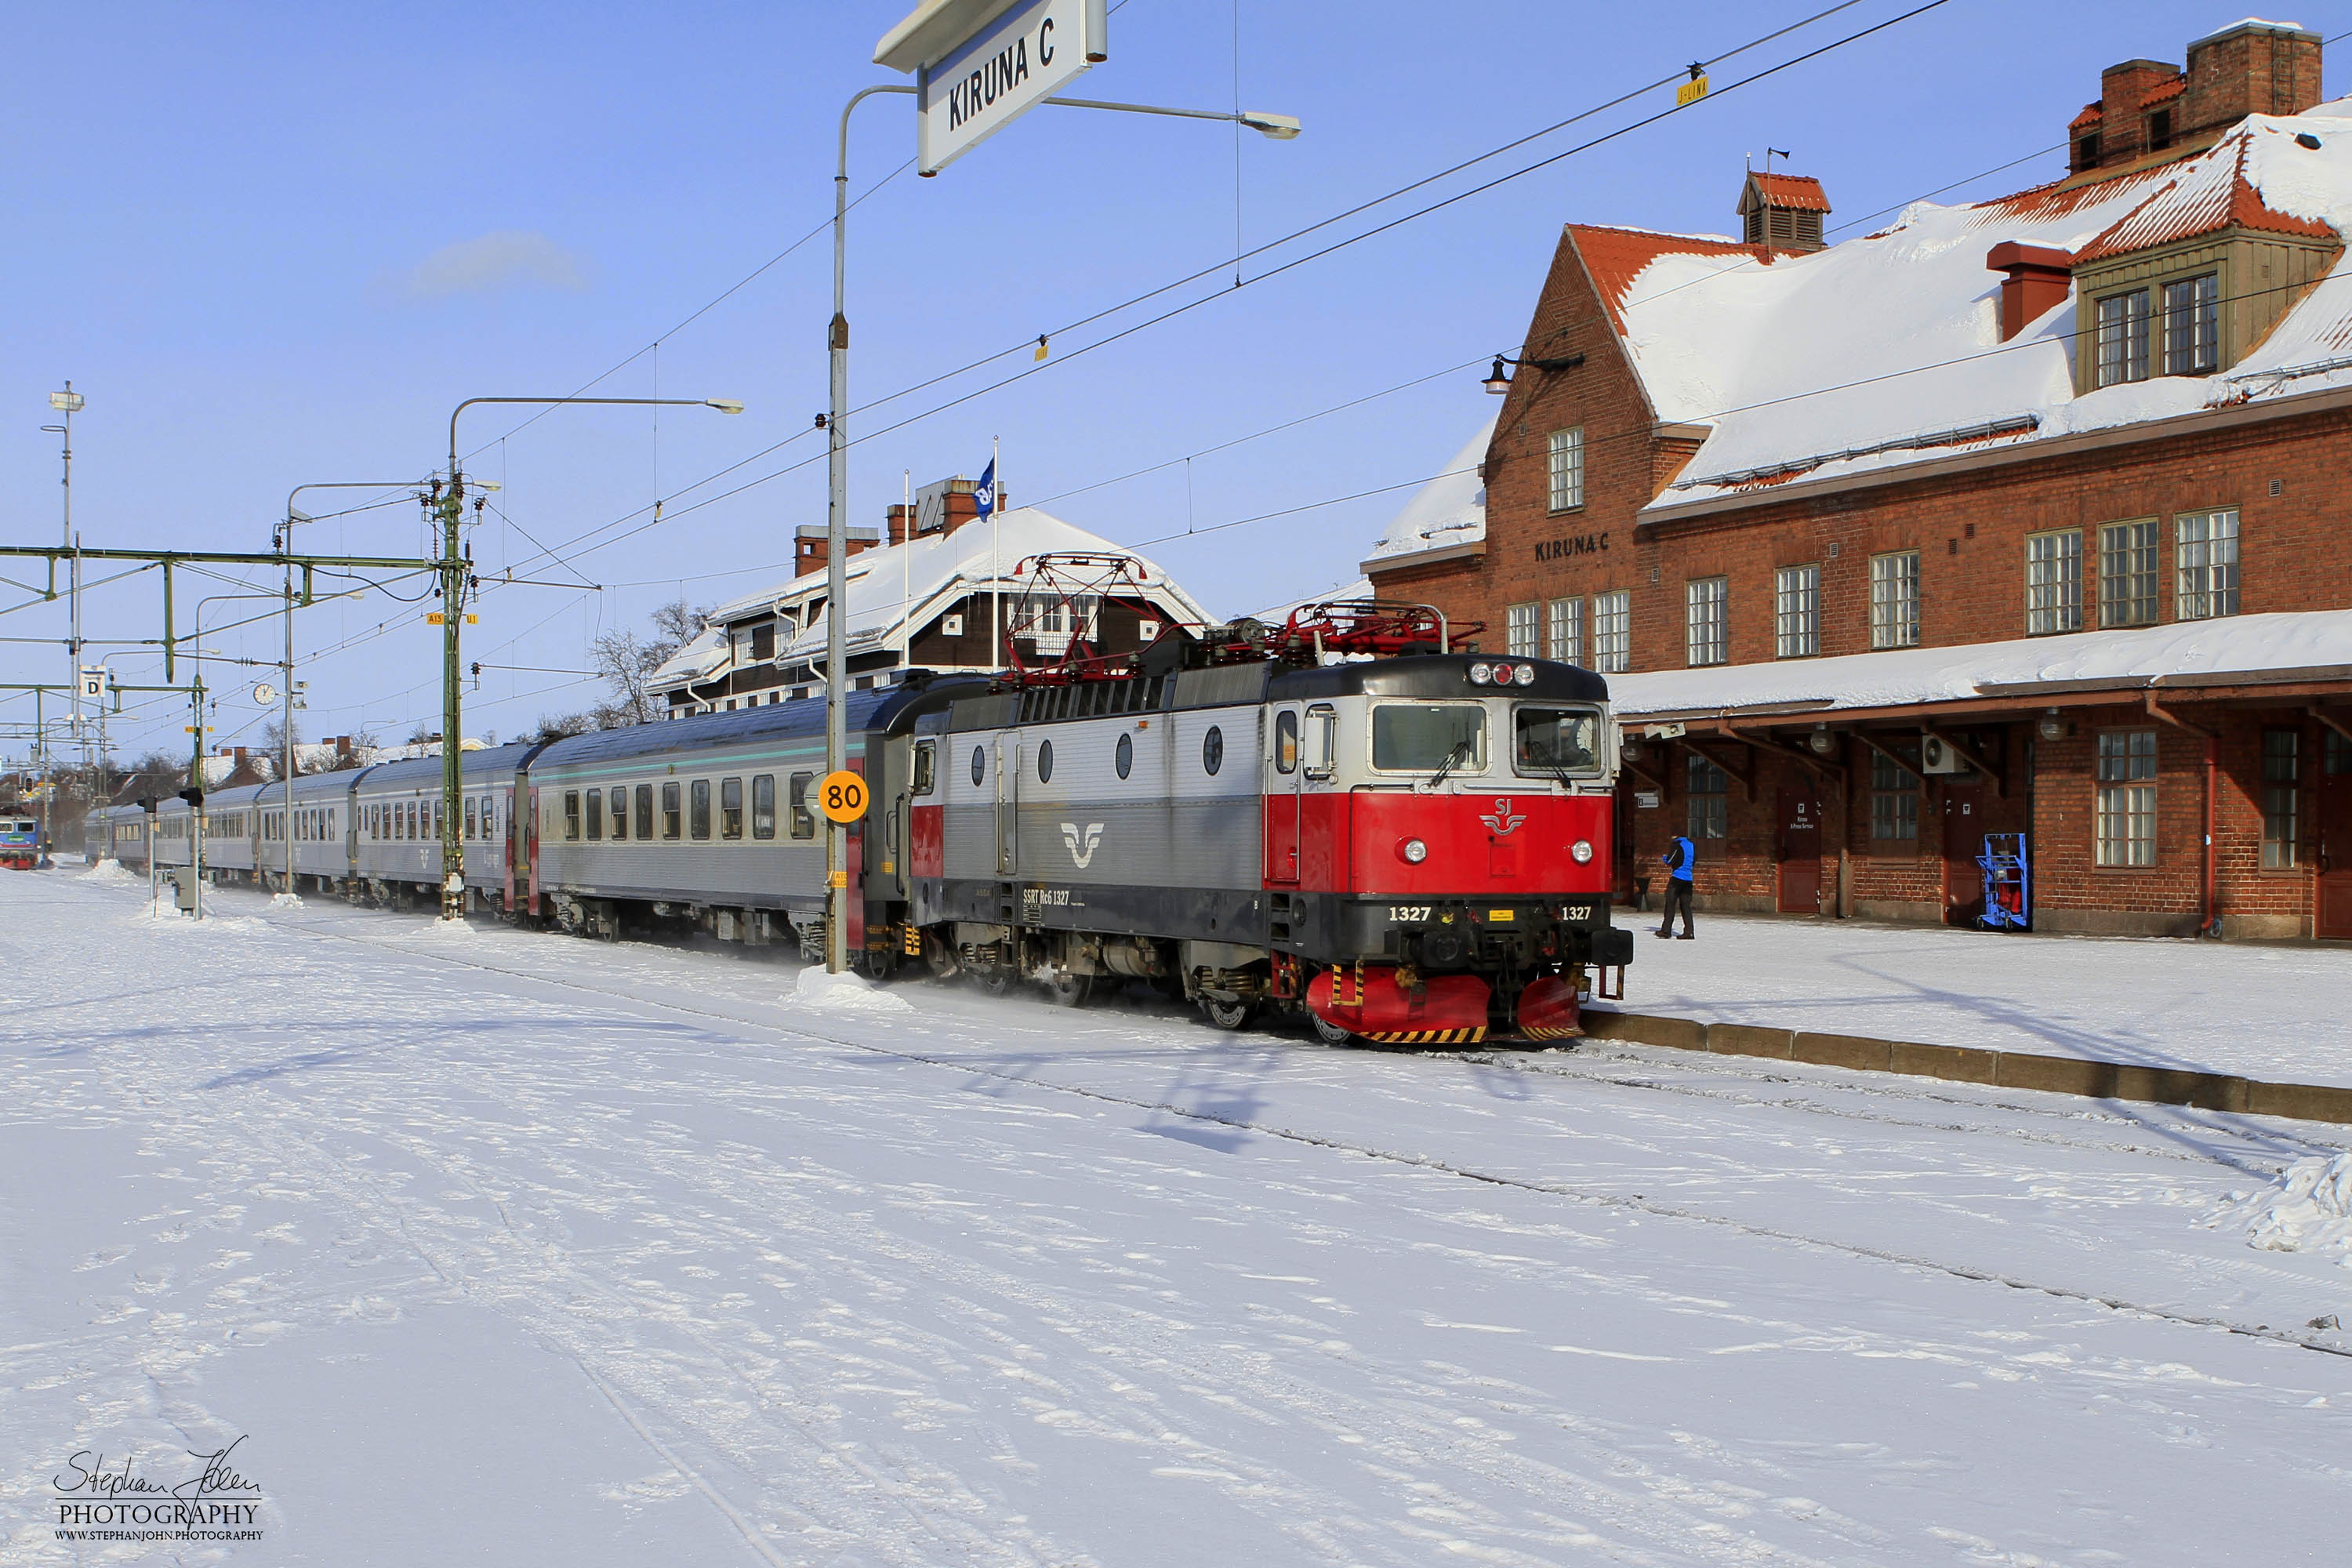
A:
<point x="842" y="796"/>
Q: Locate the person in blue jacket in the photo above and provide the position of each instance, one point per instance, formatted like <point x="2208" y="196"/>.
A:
<point x="1679" y="855"/>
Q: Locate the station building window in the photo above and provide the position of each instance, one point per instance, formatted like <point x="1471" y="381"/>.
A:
<point x="1894" y="599"/>
<point x="2053" y="582"/>
<point x="1565" y="450"/>
<point x="1706" y="609"/>
<point x="2124" y="821"/>
<point x="1520" y="630"/>
<point x="2127" y="573"/>
<point x="1612" y="632"/>
<point x="1797" y="612"/>
<point x="2205" y="564"/>
<point x="1894" y="801"/>
<point x="1709" y="800"/>
<point x="2282" y="797"/>
<point x="1564" y="634"/>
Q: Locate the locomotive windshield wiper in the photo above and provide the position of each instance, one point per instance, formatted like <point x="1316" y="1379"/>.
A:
<point x="1455" y="758"/>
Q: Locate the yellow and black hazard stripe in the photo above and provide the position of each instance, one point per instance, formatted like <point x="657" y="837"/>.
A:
<point x="913" y="940"/>
<point x="1557" y="1032"/>
<point x="1432" y="1037"/>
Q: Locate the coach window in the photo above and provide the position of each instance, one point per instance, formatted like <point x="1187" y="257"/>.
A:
<point x="1125" y="756"/>
<point x="570" y="815"/>
<point x="1425" y="737"/>
<point x="472" y="816"/>
<point x="1044" y="761"/>
<point x="763" y="806"/>
<point x="621" y="811"/>
<point x="698" y="809"/>
<point x="669" y="811"/>
<point x="1212" y="750"/>
<point x="595" y="815"/>
<point x="730" y="808"/>
<point x="925" y="766"/>
<point x="439" y="807"/>
<point x="979" y="765"/>
<point x="803" y="820"/>
<point x="1285" y="742"/>
<point x="644" y="811"/>
<point x="1549" y="742"/>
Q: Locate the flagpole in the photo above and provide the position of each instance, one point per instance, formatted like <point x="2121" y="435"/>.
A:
<point x="995" y="572"/>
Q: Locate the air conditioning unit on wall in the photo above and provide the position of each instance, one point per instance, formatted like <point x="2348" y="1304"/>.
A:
<point x="1937" y="756"/>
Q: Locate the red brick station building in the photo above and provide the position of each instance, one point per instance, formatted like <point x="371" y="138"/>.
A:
<point x="2027" y="517"/>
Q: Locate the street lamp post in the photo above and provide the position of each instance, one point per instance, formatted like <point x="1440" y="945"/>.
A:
<point x="1276" y="127"/>
<point x="455" y="572"/>
<point x="68" y="404"/>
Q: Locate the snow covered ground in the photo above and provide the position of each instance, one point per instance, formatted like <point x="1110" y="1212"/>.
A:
<point x="504" y="1248"/>
<point x="2262" y="1012"/>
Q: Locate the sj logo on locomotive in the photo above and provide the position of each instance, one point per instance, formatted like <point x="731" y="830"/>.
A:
<point x="1504" y="822"/>
<point x="1573" y="544"/>
<point x="1082" y="844"/>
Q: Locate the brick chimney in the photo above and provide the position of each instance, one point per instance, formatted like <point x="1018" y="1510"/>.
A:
<point x="2148" y="107"/>
<point x="812" y="549"/>
<point x="2250" y="67"/>
<point x="2037" y="281"/>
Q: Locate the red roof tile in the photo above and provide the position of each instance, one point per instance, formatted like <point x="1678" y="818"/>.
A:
<point x="1799" y="193"/>
<point x="1615" y="257"/>
<point x="2165" y="92"/>
<point x="2186" y="208"/>
<point x="2092" y="114"/>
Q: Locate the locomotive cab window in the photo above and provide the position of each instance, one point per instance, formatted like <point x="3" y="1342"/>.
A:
<point x="669" y="811"/>
<point x="1546" y="742"/>
<point x="1285" y="742"/>
<point x="730" y="808"/>
<point x="1423" y="737"/>
<point x="698" y="809"/>
<point x="925" y="766"/>
<point x="803" y="819"/>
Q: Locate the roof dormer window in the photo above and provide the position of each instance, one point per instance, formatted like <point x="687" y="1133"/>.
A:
<point x="2121" y="345"/>
<point x="2192" y="325"/>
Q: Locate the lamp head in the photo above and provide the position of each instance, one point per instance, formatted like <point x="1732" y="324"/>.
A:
<point x="1499" y="380"/>
<point x="1272" y="127"/>
<point x="70" y="402"/>
<point x="724" y="404"/>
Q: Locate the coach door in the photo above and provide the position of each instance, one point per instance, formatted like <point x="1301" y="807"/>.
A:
<point x="1008" y="800"/>
<point x="2332" y="915"/>
<point x="1284" y="781"/>
<point x="1801" y="853"/>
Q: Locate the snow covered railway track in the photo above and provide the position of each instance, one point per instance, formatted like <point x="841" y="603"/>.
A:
<point x="1580" y="1193"/>
<point x="2193" y="1137"/>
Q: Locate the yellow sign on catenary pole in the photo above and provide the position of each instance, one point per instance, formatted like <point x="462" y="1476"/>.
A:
<point x="842" y="796"/>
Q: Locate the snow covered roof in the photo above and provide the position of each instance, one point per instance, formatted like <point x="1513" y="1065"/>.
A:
<point x="1798" y="193"/>
<point x="2249" y="649"/>
<point x="1885" y="348"/>
<point x="897" y="584"/>
<point x="1448" y="511"/>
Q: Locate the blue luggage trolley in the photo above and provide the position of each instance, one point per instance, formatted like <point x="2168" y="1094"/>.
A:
<point x="2008" y="883"/>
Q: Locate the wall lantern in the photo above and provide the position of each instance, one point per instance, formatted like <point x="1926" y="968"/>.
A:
<point x="1499" y="381"/>
<point x="2052" y="727"/>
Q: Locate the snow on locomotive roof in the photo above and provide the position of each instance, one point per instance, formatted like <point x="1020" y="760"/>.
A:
<point x="2253" y="649"/>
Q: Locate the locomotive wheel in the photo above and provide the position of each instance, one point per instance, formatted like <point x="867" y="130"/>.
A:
<point x="939" y="956"/>
<point x="995" y="982"/>
<point x="1228" y="1015"/>
<point x="1329" y="1033"/>
<point x="1067" y="990"/>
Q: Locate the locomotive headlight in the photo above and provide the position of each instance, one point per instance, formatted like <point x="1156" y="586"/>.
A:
<point x="1525" y="675"/>
<point x="1414" y="852"/>
<point x="1502" y="675"/>
<point x="1481" y="673"/>
<point x="1581" y="851"/>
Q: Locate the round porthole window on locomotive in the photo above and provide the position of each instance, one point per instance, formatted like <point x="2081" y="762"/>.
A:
<point x="1044" y="761"/>
<point x="1212" y="749"/>
<point x="1125" y="757"/>
<point x="979" y="764"/>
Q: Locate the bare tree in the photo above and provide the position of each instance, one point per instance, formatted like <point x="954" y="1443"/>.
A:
<point x="273" y="744"/>
<point x="561" y="726"/>
<point x="154" y="776"/>
<point x="627" y="660"/>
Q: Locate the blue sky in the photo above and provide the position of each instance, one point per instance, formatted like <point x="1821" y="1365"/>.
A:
<point x="276" y="244"/>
